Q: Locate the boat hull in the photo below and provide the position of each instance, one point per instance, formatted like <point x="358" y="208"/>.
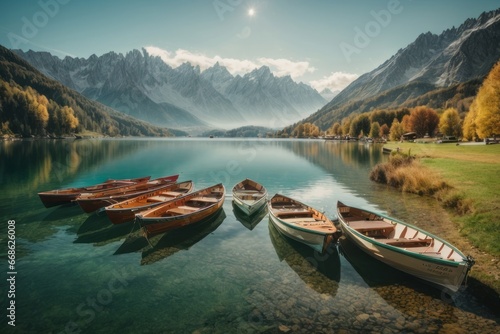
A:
<point x="248" y="207"/>
<point x="314" y="240"/>
<point x="64" y="196"/>
<point x="120" y="215"/>
<point x="302" y="223"/>
<point x="94" y="201"/>
<point x="249" y="196"/>
<point x="181" y="212"/>
<point x="431" y="268"/>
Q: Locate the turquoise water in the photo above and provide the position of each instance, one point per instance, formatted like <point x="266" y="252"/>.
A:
<point x="77" y="273"/>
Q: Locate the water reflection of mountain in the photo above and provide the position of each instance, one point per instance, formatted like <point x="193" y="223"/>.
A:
<point x="55" y="162"/>
<point x="336" y="155"/>
<point x="181" y="239"/>
<point x="321" y="272"/>
<point x="347" y="161"/>
<point x="250" y="222"/>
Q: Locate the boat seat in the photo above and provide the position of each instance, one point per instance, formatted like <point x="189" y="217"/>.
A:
<point x="205" y="199"/>
<point x="287" y="211"/>
<point x="308" y="220"/>
<point x="403" y="242"/>
<point x="171" y="193"/>
<point x="182" y="210"/>
<point x="156" y="199"/>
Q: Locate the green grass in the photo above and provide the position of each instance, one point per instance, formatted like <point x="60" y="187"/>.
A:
<point x="474" y="172"/>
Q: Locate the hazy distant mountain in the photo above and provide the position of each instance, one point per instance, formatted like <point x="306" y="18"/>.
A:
<point x="327" y="94"/>
<point x="264" y="98"/>
<point x="145" y="87"/>
<point x="456" y="55"/>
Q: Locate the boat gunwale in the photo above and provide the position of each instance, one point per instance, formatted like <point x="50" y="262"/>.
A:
<point x="402" y="250"/>
<point x="136" y="208"/>
<point x="159" y="219"/>
<point x="297" y="227"/>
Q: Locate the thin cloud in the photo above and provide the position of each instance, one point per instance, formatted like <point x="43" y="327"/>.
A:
<point x="336" y="81"/>
<point x="280" y="67"/>
<point x="284" y="67"/>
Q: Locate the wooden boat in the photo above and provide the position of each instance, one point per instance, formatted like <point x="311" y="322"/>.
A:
<point x="405" y="247"/>
<point x="125" y="211"/>
<point x="302" y="222"/>
<point x="183" y="211"/>
<point x="91" y="202"/>
<point x="249" y="196"/>
<point x="64" y="196"/>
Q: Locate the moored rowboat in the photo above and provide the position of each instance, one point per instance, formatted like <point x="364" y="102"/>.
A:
<point x="183" y="211"/>
<point x="63" y="196"/>
<point x="125" y="211"/>
<point x="405" y="247"/>
<point x="91" y="202"/>
<point x="302" y="222"/>
<point x="249" y="196"/>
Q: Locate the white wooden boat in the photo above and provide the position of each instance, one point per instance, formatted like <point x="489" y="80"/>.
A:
<point x="249" y="196"/>
<point x="302" y="222"/>
<point x="405" y="247"/>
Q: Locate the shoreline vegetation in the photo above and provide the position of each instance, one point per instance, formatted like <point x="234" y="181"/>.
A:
<point x="465" y="180"/>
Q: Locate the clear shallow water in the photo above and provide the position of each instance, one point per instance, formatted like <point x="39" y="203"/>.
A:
<point x="77" y="272"/>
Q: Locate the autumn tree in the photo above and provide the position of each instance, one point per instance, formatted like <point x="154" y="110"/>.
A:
<point x="450" y="123"/>
<point x="423" y="120"/>
<point x="335" y="129"/>
<point x="384" y="131"/>
<point x="68" y="120"/>
<point x="405" y="123"/>
<point x="469" y="127"/>
<point x="346" y="125"/>
<point x="488" y="105"/>
<point x="360" y="123"/>
<point x="375" y="130"/>
<point x="396" y="130"/>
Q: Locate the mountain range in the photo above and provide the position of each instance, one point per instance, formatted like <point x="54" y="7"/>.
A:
<point x="145" y="87"/>
<point x="436" y="70"/>
<point x="33" y="104"/>
<point x="432" y="62"/>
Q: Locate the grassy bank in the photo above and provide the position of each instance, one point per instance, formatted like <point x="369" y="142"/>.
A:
<point x="470" y="175"/>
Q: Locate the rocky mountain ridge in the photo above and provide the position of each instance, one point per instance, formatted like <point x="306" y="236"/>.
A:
<point x="145" y="87"/>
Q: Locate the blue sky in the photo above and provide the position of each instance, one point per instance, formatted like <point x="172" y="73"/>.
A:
<point x="326" y="43"/>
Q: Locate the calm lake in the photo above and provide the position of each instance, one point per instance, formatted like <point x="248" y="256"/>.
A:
<point x="78" y="273"/>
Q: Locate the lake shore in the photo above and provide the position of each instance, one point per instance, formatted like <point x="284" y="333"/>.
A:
<point x="472" y="171"/>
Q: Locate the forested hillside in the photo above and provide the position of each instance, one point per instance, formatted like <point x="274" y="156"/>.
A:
<point x="33" y="105"/>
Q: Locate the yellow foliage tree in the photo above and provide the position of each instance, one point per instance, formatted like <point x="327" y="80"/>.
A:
<point x="488" y="105"/>
<point x="469" y="127"/>
<point x="450" y="123"/>
<point x="69" y="120"/>
<point x="396" y="130"/>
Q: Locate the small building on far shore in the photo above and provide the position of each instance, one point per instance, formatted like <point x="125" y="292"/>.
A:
<point x="409" y="136"/>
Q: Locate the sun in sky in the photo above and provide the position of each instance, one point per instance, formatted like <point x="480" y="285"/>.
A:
<point x="251" y="12"/>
